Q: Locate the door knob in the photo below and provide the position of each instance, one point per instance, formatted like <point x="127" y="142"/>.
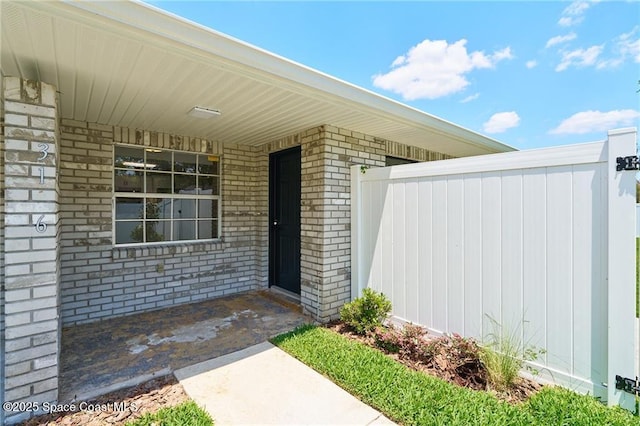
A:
<point x="275" y="223"/>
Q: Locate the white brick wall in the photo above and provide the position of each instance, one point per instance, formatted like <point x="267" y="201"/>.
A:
<point x="100" y="281"/>
<point x="2" y="197"/>
<point x="327" y="154"/>
<point x="31" y="267"/>
<point x="400" y="150"/>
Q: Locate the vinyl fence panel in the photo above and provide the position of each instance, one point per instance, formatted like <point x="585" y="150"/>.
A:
<point x="519" y="242"/>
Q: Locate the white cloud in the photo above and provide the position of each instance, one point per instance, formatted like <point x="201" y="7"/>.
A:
<point x="435" y="68"/>
<point x="580" y="57"/>
<point x="609" y="63"/>
<point x="560" y="39"/>
<point x="622" y="48"/>
<point x="567" y="21"/>
<point x="470" y="98"/>
<point x="574" y="13"/>
<point x="596" y="121"/>
<point x="629" y="44"/>
<point x="531" y="64"/>
<point x="502" y="54"/>
<point x="625" y="46"/>
<point x="576" y="8"/>
<point x="501" y="121"/>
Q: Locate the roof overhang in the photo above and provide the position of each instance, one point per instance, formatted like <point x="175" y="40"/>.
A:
<point x="132" y="65"/>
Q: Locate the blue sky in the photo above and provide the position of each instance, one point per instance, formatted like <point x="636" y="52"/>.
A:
<point x="529" y="74"/>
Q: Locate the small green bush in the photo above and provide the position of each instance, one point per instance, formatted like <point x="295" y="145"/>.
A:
<point x="366" y="313"/>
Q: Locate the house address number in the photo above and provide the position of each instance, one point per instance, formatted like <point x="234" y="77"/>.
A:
<point x="44" y="150"/>
<point x="40" y="225"/>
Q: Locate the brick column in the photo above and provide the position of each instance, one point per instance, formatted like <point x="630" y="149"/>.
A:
<point x="32" y="328"/>
<point x="327" y="155"/>
<point x="311" y="221"/>
<point x="1" y="245"/>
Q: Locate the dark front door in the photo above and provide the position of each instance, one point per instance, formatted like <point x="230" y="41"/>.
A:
<point x="284" y="219"/>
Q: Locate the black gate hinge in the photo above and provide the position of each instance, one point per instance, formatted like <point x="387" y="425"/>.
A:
<point x="628" y="385"/>
<point x="628" y="163"/>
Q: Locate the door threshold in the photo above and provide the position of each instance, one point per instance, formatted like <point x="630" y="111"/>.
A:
<point x="289" y="295"/>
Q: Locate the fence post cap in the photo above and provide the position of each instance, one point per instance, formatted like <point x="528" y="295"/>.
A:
<point x="622" y="131"/>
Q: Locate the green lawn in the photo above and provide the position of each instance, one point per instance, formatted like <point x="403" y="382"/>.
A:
<point x="414" y="398"/>
<point x="187" y="413"/>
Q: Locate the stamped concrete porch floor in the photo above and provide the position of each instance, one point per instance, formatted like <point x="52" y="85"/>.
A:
<point x="112" y="354"/>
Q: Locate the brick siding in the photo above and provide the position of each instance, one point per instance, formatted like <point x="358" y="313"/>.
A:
<point x="2" y="375"/>
<point x="31" y="263"/>
<point x="101" y="281"/>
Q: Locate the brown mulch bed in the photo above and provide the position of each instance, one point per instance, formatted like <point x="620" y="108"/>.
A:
<point x="119" y="407"/>
<point x="448" y="363"/>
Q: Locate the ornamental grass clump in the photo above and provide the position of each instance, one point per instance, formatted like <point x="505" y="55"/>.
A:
<point x="366" y="313"/>
<point x="505" y="355"/>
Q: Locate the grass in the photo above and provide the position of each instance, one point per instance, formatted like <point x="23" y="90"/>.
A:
<point x="410" y="397"/>
<point x="187" y="413"/>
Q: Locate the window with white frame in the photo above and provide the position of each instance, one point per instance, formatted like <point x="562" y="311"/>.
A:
<point x="162" y="195"/>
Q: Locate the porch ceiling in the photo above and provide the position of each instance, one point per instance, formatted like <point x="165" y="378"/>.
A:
<point x="132" y="65"/>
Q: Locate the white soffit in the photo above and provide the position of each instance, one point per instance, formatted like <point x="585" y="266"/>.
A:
<point x="132" y="65"/>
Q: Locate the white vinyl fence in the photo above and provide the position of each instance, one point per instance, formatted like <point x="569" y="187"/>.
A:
<point x="541" y="242"/>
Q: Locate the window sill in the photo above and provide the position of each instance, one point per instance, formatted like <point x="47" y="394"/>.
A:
<point x="165" y="249"/>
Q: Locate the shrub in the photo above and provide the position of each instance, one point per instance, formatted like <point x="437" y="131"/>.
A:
<point x="366" y="313"/>
<point x="458" y="360"/>
<point x="387" y="338"/>
<point x="410" y="341"/>
<point x="414" y="342"/>
<point x="453" y="358"/>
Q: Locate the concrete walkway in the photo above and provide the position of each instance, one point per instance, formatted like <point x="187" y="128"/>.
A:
<point x="264" y="385"/>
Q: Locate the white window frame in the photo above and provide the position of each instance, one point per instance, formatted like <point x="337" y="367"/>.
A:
<point x="144" y="194"/>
